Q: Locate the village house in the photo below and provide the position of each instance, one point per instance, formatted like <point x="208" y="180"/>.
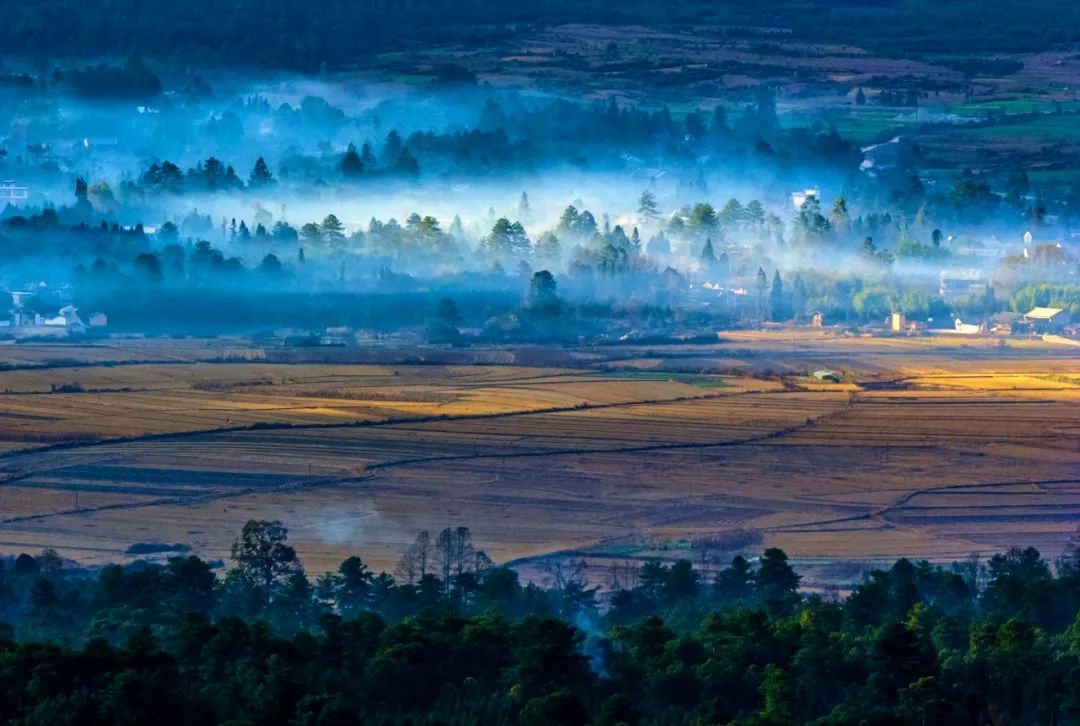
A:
<point x="1006" y="323"/>
<point x="1047" y="320"/>
<point x="11" y="193"/>
<point x="955" y="284"/>
<point x="23" y="322"/>
<point x="963" y="328"/>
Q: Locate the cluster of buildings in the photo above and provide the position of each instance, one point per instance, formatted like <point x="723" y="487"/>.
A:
<point x="21" y="322"/>
<point x="12" y="193"/>
<point x="1037" y="321"/>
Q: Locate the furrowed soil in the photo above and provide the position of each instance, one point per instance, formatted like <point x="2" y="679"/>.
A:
<point x="929" y="448"/>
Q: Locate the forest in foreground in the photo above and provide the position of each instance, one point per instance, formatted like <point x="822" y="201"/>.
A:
<point x="453" y="639"/>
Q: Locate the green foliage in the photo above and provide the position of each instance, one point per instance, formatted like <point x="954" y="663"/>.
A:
<point x="507" y="239"/>
<point x="648" y="209"/>
<point x="811" y="226"/>
<point x="779" y="307"/>
<point x="134" y="79"/>
<point x="467" y="643"/>
<point x="332" y="229"/>
<point x="911" y="249"/>
<point x="263" y="557"/>
<point x="871" y="303"/>
<point x="260" y="174"/>
<point x="971" y="194"/>
<point x="1065" y="296"/>
<point x="352" y="166"/>
<point x="542" y="298"/>
<point x="577" y="224"/>
<point x="702" y="217"/>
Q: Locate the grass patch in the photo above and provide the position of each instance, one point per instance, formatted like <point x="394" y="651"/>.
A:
<point x="1052" y="378"/>
<point x="670" y="545"/>
<point x="690" y="379"/>
<point x="1063" y="127"/>
<point x="1010" y="106"/>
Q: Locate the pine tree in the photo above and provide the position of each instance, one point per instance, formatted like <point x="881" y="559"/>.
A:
<point x="457" y="229"/>
<point x="777" y="302"/>
<point x="407" y="164"/>
<point x="367" y="158"/>
<point x="332" y="228"/>
<point x="708" y="255"/>
<point x="647" y="208"/>
<point x="762" y="289"/>
<point x="392" y="149"/>
<point x="351" y="164"/>
<point x="659" y="246"/>
<point x="798" y="297"/>
<point x="732" y="214"/>
<point x="839" y="217"/>
<point x="524" y="211"/>
<point x="260" y="174"/>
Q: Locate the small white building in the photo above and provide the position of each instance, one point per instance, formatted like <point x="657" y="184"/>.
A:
<point x="969" y="328"/>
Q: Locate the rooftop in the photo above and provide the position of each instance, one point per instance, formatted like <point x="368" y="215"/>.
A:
<point x="1043" y="313"/>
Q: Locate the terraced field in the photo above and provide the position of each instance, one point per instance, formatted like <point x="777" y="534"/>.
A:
<point x="952" y="457"/>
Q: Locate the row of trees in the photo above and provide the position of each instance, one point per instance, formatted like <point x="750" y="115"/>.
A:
<point x="456" y="639"/>
<point x="595" y="255"/>
<point x="610" y="132"/>
<point x="209" y="175"/>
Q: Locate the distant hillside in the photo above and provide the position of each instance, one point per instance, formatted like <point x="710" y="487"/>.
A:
<point x="308" y="34"/>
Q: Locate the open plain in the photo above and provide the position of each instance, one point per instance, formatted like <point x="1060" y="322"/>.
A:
<point x="928" y="448"/>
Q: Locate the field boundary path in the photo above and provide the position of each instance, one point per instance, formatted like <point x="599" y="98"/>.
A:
<point x="308" y="483"/>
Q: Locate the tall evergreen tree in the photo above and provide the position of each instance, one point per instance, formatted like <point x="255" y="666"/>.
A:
<point x="777" y="299"/>
<point x="351" y="164"/>
<point x="260" y="174"/>
<point x="648" y="210"/>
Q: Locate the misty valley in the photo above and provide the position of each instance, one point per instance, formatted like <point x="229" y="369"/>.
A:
<point x="457" y="362"/>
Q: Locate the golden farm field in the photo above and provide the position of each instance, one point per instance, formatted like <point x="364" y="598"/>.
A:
<point x="958" y="454"/>
<point x="84" y="404"/>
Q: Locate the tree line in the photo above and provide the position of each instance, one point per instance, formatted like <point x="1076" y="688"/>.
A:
<point x="453" y="638"/>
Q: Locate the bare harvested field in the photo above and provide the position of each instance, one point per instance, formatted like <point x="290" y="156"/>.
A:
<point x="935" y="450"/>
